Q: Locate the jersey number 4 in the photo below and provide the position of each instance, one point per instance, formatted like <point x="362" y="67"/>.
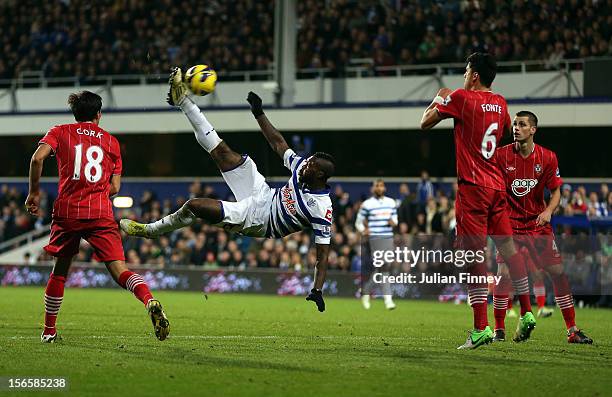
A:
<point x="93" y="167"/>
<point x="489" y="142"/>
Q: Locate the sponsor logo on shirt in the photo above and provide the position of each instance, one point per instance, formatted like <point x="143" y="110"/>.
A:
<point x="288" y="202"/>
<point x="521" y="187"/>
<point x="328" y="215"/>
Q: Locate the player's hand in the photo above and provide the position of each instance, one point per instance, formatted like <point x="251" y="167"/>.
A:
<point x="544" y="218"/>
<point x="317" y="297"/>
<point x="444" y="92"/>
<point x="256" y="104"/>
<point x="32" y="203"/>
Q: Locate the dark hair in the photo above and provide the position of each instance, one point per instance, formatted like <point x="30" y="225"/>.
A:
<point x="485" y="65"/>
<point x="85" y="105"/>
<point x="328" y="165"/>
<point x="533" y="119"/>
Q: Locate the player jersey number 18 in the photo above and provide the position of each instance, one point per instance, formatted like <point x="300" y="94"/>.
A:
<point x="93" y="168"/>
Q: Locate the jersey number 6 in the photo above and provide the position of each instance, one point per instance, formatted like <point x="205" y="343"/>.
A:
<point x="489" y="142"/>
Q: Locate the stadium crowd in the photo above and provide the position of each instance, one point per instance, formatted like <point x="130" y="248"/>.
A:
<point x="425" y="210"/>
<point x="75" y="38"/>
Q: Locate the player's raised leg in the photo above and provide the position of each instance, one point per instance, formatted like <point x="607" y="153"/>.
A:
<point x="54" y="295"/>
<point x="211" y="211"/>
<point x="206" y="135"/>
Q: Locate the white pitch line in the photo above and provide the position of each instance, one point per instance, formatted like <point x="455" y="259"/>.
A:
<point x="221" y="337"/>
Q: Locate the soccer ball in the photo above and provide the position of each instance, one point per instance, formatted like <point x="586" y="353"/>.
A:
<point x="201" y="79"/>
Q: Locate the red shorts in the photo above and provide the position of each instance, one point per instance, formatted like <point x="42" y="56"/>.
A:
<point x="538" y="246"/>
<point x="102" y="234"/>
<point x="480" y="212"/>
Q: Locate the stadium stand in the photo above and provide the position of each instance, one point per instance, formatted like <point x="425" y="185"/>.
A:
<point x="74" y="38"/>
<point x="203" y="245"/>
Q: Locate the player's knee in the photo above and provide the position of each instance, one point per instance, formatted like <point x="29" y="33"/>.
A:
<point x="115" y="268"/>
<point x="555" y="270"/>
<point x="506" y="246"/>
<point x="223" y="152"/>
<point x="197" y="205"/>
<point x="205" y="208"/>
<point x="502" y="270"/>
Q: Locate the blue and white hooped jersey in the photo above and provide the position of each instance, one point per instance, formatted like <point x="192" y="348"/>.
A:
<point x="295" y="208"/>
<point x="377" y="212"/>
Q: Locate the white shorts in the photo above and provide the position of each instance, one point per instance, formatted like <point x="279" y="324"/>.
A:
<point x="249" y="215"/>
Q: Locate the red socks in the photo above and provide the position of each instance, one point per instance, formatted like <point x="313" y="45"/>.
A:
<point x="520" y="281"/>
<point x="539" y="290"/>
<point x="477" y="295"/>
<point x="54" y="294"/>
<point x="136" y="284"/>
<point x="564" y="298"/>
<point x="501" y="302"/>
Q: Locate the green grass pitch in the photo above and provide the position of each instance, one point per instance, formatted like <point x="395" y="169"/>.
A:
<point x="239" y="345"/>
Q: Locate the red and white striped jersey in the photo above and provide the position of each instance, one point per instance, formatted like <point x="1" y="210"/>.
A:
<point x="526" y="179"/>
<point x="87" y="157"/>
<point x="481" y="117"/>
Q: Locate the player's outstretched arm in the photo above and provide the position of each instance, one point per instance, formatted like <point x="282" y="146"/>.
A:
<point x="274" y="138"/>
<point x="316" y="294"/>
<point x="36" y="165"/>
<point x="115" y="183"/>
<point x="431" y="116"/>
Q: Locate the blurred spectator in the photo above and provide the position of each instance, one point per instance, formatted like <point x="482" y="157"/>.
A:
<point x="596" y="209"/>
<point x="425" y="189"/>
<point x="113" y="37"/>
<point x="579" y="201"/>
<point x="406" y="208"/>
<point x="565" y="204"/>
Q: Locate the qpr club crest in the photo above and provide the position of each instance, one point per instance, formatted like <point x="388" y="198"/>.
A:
<point x="538" y="168"/>
<point x="521" y="187"/>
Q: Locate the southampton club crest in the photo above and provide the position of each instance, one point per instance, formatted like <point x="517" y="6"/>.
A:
<point x="538" y="168"/>
<point x="521" y="187"/>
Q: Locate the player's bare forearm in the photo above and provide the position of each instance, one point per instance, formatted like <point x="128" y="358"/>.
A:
<point x="36" y="165"/>
<point x="545" y="217"/>
<point x="316" y="294"/>
<point x="430" y="118"/>
<point x="321" y="266"/>
<point x="274" y="138"/>
<point x="115" y="185"/>
<point x="555" y="199"/>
